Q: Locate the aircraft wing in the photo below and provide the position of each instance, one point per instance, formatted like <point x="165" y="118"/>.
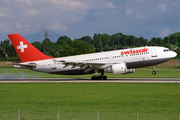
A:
<point x="86" y="65"/>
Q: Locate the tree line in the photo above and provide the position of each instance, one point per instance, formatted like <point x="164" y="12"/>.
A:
<point x="65" y="46"/>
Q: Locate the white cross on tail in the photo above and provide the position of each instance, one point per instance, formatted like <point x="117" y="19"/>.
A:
<point x="21" y="46"/>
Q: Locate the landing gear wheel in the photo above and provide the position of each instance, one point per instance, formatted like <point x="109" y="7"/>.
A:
<point x="104" y="77"/>
<point x="99" y="78"/>
<point x="153" y="72"/>
<point x="93" y="78"/>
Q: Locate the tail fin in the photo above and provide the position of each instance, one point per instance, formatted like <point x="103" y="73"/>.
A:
<point x="26" y="51"/>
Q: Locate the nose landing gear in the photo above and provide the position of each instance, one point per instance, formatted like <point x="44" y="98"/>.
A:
<point x="154" y="72"/>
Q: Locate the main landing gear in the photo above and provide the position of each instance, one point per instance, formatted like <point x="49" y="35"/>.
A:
<point x="154" y="72"/>
<point x="101" y="77"/>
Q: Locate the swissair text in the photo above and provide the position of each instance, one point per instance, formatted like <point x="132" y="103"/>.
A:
<point x="134" y="51"/>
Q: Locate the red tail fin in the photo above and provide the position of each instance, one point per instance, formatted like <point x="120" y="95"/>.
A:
<point x="26" y="51"/>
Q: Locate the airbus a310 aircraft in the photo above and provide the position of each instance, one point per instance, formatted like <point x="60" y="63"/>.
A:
<point x="117" y="62"/>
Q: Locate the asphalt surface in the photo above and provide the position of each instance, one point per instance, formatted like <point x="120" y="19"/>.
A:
<point x="130" y="80"/>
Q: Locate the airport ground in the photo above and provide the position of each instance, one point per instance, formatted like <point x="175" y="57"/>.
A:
<point x="82" y="100"/>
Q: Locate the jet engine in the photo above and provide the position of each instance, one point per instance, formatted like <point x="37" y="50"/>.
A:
<point x="119" y="69"/>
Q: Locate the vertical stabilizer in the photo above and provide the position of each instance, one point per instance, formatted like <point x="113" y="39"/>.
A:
<point x="26" y="51"/>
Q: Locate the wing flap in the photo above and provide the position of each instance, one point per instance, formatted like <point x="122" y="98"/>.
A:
<point x="85" y="65"/>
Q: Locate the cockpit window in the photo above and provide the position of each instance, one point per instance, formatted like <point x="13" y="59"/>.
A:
<point x="166" y="50"/>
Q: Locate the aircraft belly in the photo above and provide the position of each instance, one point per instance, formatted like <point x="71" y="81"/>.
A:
<point x="71" y="72"/>
<point x="145" y="63"/>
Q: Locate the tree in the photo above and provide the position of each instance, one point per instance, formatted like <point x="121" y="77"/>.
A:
<point x="124" y="40"/>
<point x="106" y="47"/>
<point x="6" y="47"/>
<point x="130" y="40"/>
<point x="166" y="40"/>
<point x="113" y="40"/>
<point x="96" y="41"/>
<point x="56" y="54"/>
<point x="159" y="41"/>
<point x="64" y="40"/>
<point x="81" y="47"/>
<point x="67" y="50"/>
<point x="170" y="46"/>
<point x="153" y="41"/>
<point x="142" y="41"/>
<point x="105" y="39"/>
<point x="87" y="39"/>
<point x="178" y="52"/>
<point x="37" y="45"/>
<point x="172" y="39"/>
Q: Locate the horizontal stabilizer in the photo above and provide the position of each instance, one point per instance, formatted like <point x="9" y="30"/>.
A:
<point x="28" y="66"/>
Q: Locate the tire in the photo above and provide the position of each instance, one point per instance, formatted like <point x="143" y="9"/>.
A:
<point x="93" y="78"/>
<point x="104" y="77"/>
<point x="153" y="72"/>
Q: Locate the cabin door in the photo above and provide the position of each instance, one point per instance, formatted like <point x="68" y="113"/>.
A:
<point x="153" y="52"/>
<point x="53" y="64"/>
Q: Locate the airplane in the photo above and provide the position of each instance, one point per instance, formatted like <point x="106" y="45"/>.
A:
<point x="117" y="61"/>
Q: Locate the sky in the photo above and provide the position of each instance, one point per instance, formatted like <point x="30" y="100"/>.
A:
<point x="78" y="18"/>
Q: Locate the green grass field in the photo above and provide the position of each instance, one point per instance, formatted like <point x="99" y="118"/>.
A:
<point x="80" y="100"/>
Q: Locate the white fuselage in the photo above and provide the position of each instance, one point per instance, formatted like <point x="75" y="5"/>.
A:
<point x="133" y="57"/>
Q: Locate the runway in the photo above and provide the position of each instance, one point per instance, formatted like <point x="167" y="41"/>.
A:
<point x="86" y="80"/>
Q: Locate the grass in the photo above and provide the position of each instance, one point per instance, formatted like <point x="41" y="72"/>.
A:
<point x="7" y="67"/>
<point x="81" y="100"/>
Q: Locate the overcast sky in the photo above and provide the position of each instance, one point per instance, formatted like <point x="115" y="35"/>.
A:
<point x="78" y="18"/>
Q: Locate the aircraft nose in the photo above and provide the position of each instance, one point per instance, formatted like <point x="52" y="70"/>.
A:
<point x="174" y="54"/>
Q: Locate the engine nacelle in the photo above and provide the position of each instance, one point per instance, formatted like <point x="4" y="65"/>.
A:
<point x="119" y="69"/>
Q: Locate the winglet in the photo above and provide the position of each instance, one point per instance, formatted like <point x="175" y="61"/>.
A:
<point x="26" y="51"/>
